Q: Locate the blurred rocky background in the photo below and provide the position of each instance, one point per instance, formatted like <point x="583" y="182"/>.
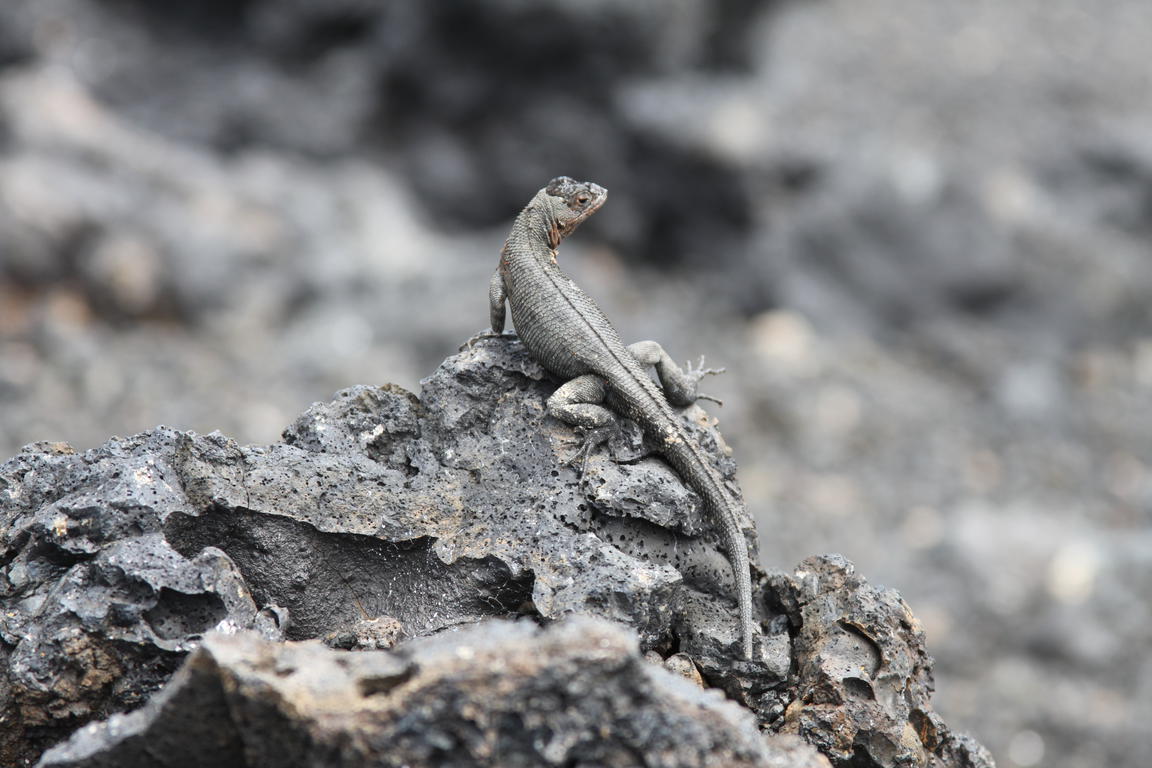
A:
<point x="917" y="233"/>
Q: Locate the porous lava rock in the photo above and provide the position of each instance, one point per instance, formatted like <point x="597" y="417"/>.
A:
<point x="384" y="520"/>
<point x="862" y="682"/>
<point x="499" y="693"/>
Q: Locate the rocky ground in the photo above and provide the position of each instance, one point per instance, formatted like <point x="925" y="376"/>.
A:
<point x="916" y="233"/>
<point x="384" y="519"/>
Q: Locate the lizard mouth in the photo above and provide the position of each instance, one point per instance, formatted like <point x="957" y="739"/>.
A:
<point x="599" y="196"/>
<point x="582" y="210"/>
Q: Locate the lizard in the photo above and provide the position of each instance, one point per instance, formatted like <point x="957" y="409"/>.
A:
<point x="565" y="331"/>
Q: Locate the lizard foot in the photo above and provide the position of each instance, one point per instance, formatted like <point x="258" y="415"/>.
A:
<point x="482" y="335"/>
<point x="697" y="372"/>
<point x="590" y="440"/>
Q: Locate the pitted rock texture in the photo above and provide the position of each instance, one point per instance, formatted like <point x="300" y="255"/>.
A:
<point x="96" y="608"/>
<point x="459" y="504"/>
<point x="863" y="679"/>
<point x="383" y="518"/>
<point x="498" y="694"/>
<point x="435" y="512"/>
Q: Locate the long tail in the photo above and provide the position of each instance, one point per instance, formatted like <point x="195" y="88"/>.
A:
<point x="639" y="393"/>
<point x="688" y="458"/>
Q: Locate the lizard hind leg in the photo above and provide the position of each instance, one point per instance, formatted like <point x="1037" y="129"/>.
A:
<point x="578" y="404"/>
<point x="679" y="384"/>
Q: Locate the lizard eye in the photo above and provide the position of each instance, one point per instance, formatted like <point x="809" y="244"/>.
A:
<point x="582" y="199"/>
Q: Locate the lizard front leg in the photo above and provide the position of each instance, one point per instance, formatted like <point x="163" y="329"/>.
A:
<point x="679" y="385"/>
<point x="578" y="404"/>
<point x="497" y="297"/>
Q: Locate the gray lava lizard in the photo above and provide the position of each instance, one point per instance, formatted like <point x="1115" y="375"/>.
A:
<point x="567" y="333"/>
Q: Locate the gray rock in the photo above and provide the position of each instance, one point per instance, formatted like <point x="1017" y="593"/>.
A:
<point x="384" y="518"/>
<point x="863" y="679"/>
<point x="498" y="694"/>
<point x="435" y="512"/>
<point x="442" y="510"/>
<point x="96" y="607"/>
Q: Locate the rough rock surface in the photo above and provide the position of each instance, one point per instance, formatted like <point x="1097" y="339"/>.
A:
<point x="576" y="694"/>
<point x="383" y="516"/>
<point x="97" y="609"/>
<point x="862" y="681"/>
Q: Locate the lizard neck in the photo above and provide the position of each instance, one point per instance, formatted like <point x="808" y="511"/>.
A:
<point x="534" y="236"/>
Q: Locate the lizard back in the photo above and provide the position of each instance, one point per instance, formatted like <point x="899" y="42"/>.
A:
<point x="543" y="298"/>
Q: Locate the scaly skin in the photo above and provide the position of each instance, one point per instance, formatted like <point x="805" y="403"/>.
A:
<point x="567" y="333"/>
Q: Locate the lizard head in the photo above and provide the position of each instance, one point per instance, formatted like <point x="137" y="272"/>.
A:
<point x="571" y="202"/>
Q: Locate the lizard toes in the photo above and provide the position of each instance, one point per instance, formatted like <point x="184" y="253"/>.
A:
<point x="482" y="335"/>
<point x="590" y="440"/>
<point x="710" y="398"/>
<point x="699" y="371"/>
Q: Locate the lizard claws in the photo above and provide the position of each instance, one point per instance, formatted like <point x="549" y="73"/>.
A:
<point x="482" y="335"/>
<point x="698" y="372"/>
<point x="590" y="440"/>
